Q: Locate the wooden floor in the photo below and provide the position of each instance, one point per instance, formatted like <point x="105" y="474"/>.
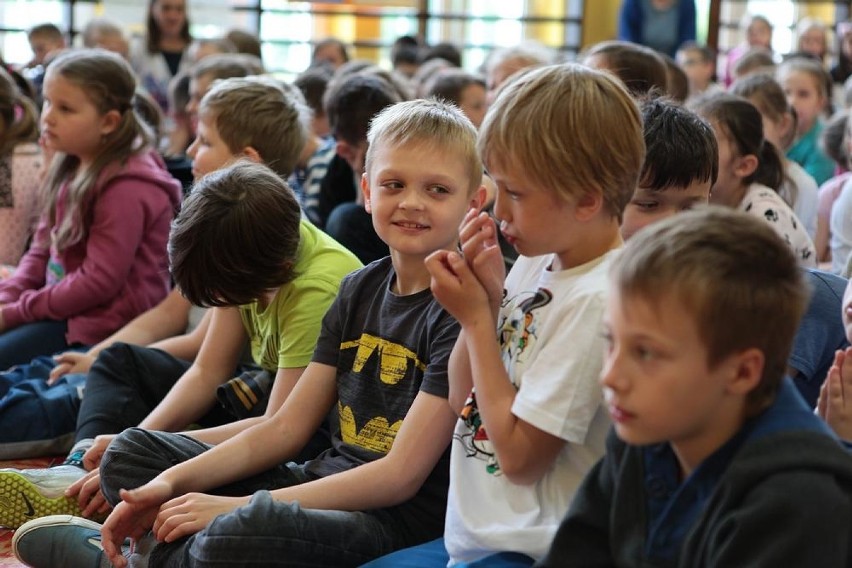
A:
<point x="6" y="557"/>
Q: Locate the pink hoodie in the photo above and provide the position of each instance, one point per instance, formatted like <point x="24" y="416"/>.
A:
<point x="117" y="272"/>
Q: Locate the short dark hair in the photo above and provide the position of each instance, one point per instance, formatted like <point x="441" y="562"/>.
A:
<point x="236" y="237"/>
<point x="313" y="83"/>
<point x="353" y="101"/>
<point x="680" y="147"/>
<point x="46" y="30"/>
<point x="640" y="68"/>
<point x="707" y="54"/>
<point x="443" y="50"/>
<point x="449" y="84"/>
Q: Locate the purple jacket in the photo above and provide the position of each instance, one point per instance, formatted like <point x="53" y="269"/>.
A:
<point x="117" y="272"/>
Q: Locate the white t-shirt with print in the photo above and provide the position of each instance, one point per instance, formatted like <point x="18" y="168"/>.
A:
<point x="550" y="331"/>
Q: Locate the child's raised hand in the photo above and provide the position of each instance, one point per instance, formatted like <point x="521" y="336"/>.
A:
<point x="457" y="288"/>
<point x="481" y="250"/>
<point x="835" y="397"/>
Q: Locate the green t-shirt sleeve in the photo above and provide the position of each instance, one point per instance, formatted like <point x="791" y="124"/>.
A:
<point x="300" y="315"/>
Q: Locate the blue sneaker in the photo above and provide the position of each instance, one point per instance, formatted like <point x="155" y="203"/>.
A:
<point x="60" y="540"/>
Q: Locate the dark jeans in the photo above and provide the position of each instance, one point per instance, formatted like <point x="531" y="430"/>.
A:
<point x="263" y="533"/>
<point x="24" y="343"/>
<point x="125" y="384"/>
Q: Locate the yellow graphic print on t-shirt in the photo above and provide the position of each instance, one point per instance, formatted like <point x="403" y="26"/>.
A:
<point x="393" y="360"/>
<point x="376" y="435"/>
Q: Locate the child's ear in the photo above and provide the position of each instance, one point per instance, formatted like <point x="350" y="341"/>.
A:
<point x="479" y="198"/>
<point x="748" y="370"/>
<point x="588" y="206"/>
<point x="745" y="165"/>
<point x="365" y="189"/>
<point x="110" y="122"/>
<point x="251" y="154"/>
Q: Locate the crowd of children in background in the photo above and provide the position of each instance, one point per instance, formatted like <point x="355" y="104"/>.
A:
<point x="424" y="316"/>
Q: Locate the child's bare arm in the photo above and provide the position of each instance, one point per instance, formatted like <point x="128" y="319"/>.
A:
<point x="252" y="451"/>
<point x="423" y="437"/>
<point x="166" y="319"/>
<point x="195" y="391"/>
<point x="187" y="345"/>
<point x="285" y="381"/>
<point x="525" y="452"/>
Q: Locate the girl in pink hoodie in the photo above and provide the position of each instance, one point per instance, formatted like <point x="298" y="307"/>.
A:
<point x="98" y="257"/>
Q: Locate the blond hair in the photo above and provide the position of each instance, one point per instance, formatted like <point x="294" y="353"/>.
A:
<point x="110" y="85"/>
<point x="262" y="113"/>
<point x="433" y="123"/>
<point x="569" y="129"/>
<point x="733" y="274"/>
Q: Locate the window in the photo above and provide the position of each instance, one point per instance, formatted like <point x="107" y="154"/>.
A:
<point x="287" y="29"/>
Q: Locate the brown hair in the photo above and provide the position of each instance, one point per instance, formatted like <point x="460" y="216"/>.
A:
<point x="262" y="113"/>
<point x="236" y="237"/>
<point x="18" y="116"/>
<point x="556" y="125"/>
<point x="153" y="34"/>
<point x="735" y="276"/>
<point x="641" y="68"/>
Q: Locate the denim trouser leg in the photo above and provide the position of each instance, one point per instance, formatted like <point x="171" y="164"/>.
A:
<point x="264" y="532"/>
<point x="24" y="343"/>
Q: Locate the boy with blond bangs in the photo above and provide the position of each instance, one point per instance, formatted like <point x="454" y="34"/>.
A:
<point x="380" y="364"/>
<point x="523" y="373"/>
<point x="701" y="317"/>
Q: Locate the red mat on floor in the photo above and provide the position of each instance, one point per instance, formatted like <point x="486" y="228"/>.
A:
<point x="6" y="556"/>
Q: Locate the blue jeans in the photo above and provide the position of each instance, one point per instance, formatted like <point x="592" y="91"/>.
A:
<point x="263" y="533"/>
<point x="434" y="555"/>
<point x="23" y="344"/>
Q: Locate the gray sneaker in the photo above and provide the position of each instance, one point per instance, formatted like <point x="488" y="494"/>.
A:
<point x="27" y="494"/>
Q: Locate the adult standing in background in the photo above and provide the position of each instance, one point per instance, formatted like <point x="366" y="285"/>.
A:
<point x="662" y="25"/>
<point x="162" y="54"/>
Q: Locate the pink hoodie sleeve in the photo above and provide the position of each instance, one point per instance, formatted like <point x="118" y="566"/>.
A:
<point x="114" y="235"/>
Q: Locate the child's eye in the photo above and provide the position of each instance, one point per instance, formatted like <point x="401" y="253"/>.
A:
<point x="646" y="205"/>
<point x="438" y="189"/>
<point x="645" y="354"/>
<point x="391" y="185"/>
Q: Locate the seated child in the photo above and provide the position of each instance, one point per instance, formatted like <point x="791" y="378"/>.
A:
<point x="254" y="118"/>
<point x="523" y="375"/>
<point x="699" y="64"/>
<point x="641" y="68"/>
<point x="463" y="89"/>
<point x="98" y="257"/>
<point x="681" y="164"/>
<point x="681" y="154"/>
<point x="798" y="188"/>
<point x="804" y="81"/>
<point x="751" y="170"/>
<point x="380" y="364"/>
<point x="702" y="314"/>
